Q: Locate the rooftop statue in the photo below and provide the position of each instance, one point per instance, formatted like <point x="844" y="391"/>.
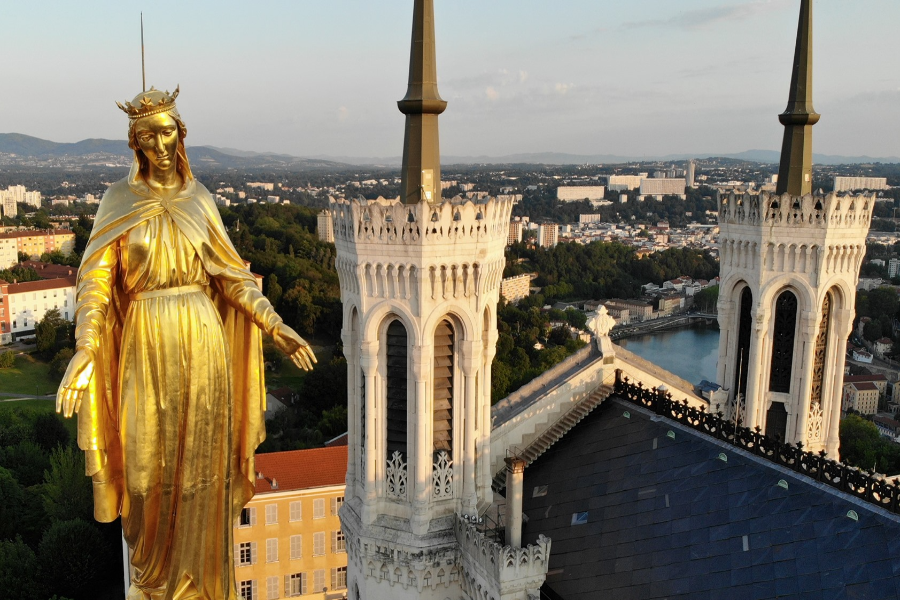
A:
<point x="167" y="378"/>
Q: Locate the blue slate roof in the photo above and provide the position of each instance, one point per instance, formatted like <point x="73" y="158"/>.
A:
<point x="667" y="518"/>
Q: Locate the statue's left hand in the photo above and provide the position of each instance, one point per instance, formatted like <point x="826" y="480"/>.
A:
<point x="289" y="342"/>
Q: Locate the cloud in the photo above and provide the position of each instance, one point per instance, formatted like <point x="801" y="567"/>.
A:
<point x="491" y="93"/>
<point x="703" y="17"/>
<point x="563" y="88"/>
<point x="342" y="114"/>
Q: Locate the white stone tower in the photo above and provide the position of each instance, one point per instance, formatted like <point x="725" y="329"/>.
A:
<point x="789" y="268"/>
<point x="420" y="279"/>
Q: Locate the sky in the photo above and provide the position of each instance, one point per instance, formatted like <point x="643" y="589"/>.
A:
<point x="322" y="77"/>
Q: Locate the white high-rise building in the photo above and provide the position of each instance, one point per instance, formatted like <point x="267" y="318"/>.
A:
<point x="325" y="226"/>
<point x="624" y="183"/>
<point x="548" y="235"/>
<point x="849" y="184"/>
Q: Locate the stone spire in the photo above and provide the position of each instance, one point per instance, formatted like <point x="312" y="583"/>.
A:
<point x="795" y="172"/>
<point x="421" y="174"/>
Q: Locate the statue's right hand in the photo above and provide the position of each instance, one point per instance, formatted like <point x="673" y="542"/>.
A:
<point x="75" y="383"/>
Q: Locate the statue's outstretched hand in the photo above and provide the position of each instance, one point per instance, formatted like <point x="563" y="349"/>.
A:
<point x="75" y="383"/>
<point x="289" y="342"/>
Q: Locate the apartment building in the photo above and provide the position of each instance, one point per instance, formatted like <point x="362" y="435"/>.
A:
<point x="35" y="242"/>
<point x="23" y="305"/>
<point x="288" y="541"/>
<point x="861" y="396"/>
<point x="548" y="235"/>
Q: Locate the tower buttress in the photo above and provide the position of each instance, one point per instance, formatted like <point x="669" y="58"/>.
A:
<point x="420" y="282"/>
<point x="789" y="267"/>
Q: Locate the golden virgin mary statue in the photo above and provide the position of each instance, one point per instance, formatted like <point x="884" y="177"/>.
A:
<point x="167" y="378"/>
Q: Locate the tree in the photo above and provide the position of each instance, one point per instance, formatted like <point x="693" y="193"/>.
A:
<point x="51" y="333"/>
<point x="273" y="290"/>
<point x="7" y="359"/>
<point x="23" y="256"/>
<point x="19" y="571"/>
<point x="12" y="503"/>
<point x="26" y="461"/>
<point x="859" y="442"/>
<point x="67" y="493"/>
<point x="49" y="431"/>
<point x="872" y="330"/>
<point x="72" y="558"/>
<point x="60" y="362"/>
<point x="706" y="300"/>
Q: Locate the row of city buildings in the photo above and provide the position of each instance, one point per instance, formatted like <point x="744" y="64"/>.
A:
<point x="34" y="243"/>
<point x="14" y="194"/>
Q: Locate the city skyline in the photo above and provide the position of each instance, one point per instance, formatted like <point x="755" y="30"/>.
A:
<point x="582" y="78"/>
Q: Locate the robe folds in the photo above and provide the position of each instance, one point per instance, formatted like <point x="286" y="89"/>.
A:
<point x="175" y="408"/>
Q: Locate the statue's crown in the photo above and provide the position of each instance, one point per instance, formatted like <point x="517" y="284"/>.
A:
<point x="148" y="103"/>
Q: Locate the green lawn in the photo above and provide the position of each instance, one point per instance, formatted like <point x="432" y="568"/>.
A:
<point x="29" y="376"/>
<point x="289" y="375"/>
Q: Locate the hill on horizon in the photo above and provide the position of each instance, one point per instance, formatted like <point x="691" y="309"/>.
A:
<point x="32" y="147"/>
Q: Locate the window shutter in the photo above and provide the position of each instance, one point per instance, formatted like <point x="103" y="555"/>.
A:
<point x="252" y="553"/>
<point x="253" y="592"/>
<point x="334" y="506"/>
<point x="252" y="516"/>
<point x="287" y="586"/>
<point x="333" y="541"/>
<point x="237" y="554"/>
<point x="303" y="583"/>
<point x="334" y="579"/>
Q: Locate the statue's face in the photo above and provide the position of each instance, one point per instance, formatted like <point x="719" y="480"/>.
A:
<point x="157" y="136"/>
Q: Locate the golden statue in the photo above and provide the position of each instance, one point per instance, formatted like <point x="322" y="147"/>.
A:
<point x="167" y="377"/>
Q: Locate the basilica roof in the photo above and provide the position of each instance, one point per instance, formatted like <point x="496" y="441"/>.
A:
<point x="642" y="507"/>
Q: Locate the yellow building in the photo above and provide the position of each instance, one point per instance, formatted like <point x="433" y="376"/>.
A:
<point x="35" y="242"/>
<point x="288" y="541"/>
<point x="861" y="396"/>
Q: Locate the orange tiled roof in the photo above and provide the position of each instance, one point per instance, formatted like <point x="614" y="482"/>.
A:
<point x="864" y="386"/>
<point x="876" y="377"/>
<point x="301" y="469"/>
<point x="41" y="284"/>
<point x="35" y="233"/>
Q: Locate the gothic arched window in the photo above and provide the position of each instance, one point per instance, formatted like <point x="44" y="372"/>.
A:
<point x="443" y="388"/>
<point x="396" y="350"/>
<point x="745" y="326"/>
<point x="783" y="343"/>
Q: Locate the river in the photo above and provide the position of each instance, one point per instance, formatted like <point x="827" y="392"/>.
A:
<point x="690" y="352"/>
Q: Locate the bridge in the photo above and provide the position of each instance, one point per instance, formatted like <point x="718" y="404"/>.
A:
<point x="624" y="331"/>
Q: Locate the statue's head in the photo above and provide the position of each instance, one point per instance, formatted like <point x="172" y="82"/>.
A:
<point x="156" y="132"/>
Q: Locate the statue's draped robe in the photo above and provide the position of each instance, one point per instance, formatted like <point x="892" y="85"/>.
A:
<point x="175" y="409"/>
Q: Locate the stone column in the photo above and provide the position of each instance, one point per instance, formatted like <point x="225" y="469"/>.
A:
<point x="469" y="366"/>
<point x="515" y="474"/>
<point x="353" y="412"/>
<point x="484" y="465"/>
<point x="756" y="389"/>
<point x="809" y="331"/>
<point x="727" y="331"/>
<point x="843" y="323"/>
<point x="368" y="362"/>
<point x="421" y="463"/>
